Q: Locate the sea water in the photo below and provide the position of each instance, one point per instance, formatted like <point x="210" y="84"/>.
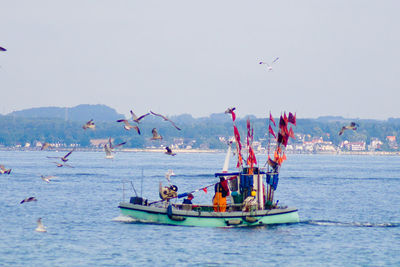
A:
<point x="349" y="207"/>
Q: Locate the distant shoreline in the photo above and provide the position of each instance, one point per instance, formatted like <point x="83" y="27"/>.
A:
<point x="160" y="150"/>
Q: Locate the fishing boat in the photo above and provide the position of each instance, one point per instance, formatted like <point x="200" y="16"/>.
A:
<point x="242" y="198"/>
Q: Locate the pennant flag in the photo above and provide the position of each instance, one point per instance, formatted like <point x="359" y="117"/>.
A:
<point x="252" y="156"/>
<point x="272" y="119"/>
<point x="291" y="133"/>
<point x="282" y="123"/>
<point x="205" y="190"/>
<point x="240" y="160"/>
<point x="233" y="115"/>
<point x="272" y="163"/>
<point x="285" y="118"/>
<point x="271" y="131"/>
<point x="237" y="137"/>
<point x="292" y="118"/>
<point x="283" y="139"/>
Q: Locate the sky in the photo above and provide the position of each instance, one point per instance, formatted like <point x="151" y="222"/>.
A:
<point x="336" y="57"/>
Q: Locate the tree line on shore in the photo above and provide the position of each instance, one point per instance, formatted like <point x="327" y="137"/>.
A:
<point x="197" y="132"/>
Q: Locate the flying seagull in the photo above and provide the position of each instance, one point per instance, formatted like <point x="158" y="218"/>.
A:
<point x="156" y="136"/>
<point x="137" y="119"/>
<point x="352" y="126"/>
<point x="169" y="151"/>
<point x="28" y="199"/>
<point x="2" y="49"/>
<point x="40" y="226"/>
<point x="108" y="147"/>
<point x="47" y="178"/>
<point x="108" y="151"/>
<point x="166" y="119"/>
<point x="64" y="159"/>
<point x="89" y="125"/>
<point x="128" y="126"/>
<point x="169" y="174"/>
<point x="4" y="170"/>
<point x="269" y="66"/>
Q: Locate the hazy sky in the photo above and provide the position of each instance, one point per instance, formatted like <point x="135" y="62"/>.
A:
<point x="199" y="57"/>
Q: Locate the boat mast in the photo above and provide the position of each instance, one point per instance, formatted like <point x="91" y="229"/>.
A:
<point x="227" y="157"/>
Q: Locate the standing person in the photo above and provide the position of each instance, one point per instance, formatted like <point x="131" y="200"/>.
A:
<point x="188" y="200"/>
<point x="221" y="192"/>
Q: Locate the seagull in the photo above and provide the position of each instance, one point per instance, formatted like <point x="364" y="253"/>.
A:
<point x="352" y="126"/>
<point x="2" y="49"/>
<point x="137" y="119"/>
<point x="89" y="125"/>
<point x="169" y="174"/>
<point x="4" y="170"/>
<point x="108" y="147"/>
<point x="128" y="126"/>
<point x="166" y="119"/>
<point x="169" y="151"/>
<point x="47" y="178"/>
<point x="40" y="227"/>
<point x="64" y="159"/>
<point x="108" y="151"/>
<point x="156" y="136"/>
<point x="45" y="145"/>
<point x="268" y="65"/>
<point x="28" y="199"/>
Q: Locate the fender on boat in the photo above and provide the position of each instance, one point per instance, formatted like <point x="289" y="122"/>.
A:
<point x="233" y="222"/>
<point x="172" y="216"/>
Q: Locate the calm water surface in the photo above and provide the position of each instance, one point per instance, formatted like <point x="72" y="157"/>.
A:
<point x="349" y="208"/>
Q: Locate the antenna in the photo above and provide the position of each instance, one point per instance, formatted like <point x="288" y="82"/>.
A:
<point x="141" y="184"/>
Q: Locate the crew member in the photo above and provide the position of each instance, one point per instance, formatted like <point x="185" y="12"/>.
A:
<point x="188" y="200"/>
<point x="221" y="192"/>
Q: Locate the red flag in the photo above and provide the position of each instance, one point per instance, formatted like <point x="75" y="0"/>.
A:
<point x="282" y="123"/>
<point x="291" y="133"/>
<point x="205" y="190"/>
<point x="233" y="115"/>
<point x="271" y="131"/>
<point x="272" y="163"/>
<point x="272" y="119"/>
<point x="240" y="160"/>
<point x="285" y="117"/>
<point x="252" y="156"/>
<point x="237" y="137"/>
<point x="292" y="118"/>
<point x="282" y="139"/>
<point x="285" y="140"/>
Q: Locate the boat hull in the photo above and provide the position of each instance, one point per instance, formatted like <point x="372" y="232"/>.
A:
<point x="209" y="219"/>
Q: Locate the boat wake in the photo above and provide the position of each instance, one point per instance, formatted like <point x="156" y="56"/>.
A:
<point x="124" y="219"/>
<point x="349" y="224"/>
